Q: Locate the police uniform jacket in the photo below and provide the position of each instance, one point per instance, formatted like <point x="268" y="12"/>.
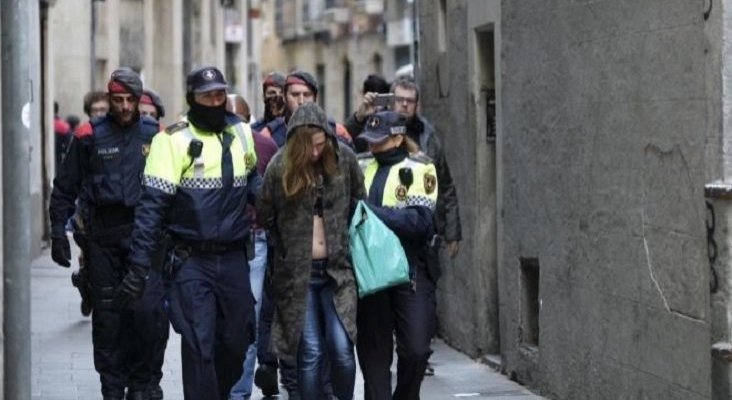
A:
<point x="447" y="214"/>
<point x="103" y="167"/>
<point x="403" y="193"/>
<point x="201" y="199"/>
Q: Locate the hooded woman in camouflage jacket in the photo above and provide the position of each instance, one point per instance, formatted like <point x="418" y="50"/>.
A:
<point x="309" y="193"/>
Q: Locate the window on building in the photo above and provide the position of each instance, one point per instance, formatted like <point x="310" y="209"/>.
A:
<point x="530" y="303"/>
<point x="486" y="81"/>
<point x="401" y="56"/>
<point x="378" y="64"/>
<point x="320" y="76"/>
<point x="442" y="26"/>
<point x="279" y="17"/>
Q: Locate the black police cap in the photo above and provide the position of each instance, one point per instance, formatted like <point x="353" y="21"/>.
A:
<point x="382" y="125"/>
<point x="205" y="79"/>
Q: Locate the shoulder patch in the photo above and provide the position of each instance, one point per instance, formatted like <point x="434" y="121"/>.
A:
<point x="420" y="158"/>
<point x="83" y="130"/>
<point x="178" y="126"/>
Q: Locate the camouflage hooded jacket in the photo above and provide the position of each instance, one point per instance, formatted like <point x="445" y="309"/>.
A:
<point x="290" y="226"/>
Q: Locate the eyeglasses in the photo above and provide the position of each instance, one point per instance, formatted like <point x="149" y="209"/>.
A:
<point x="408" y="100"/>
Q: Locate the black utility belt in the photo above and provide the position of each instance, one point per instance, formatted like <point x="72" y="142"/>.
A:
<point x="212" y="247"/>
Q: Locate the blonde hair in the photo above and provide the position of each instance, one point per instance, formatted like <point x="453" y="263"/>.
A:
<point x="300" y="174"/>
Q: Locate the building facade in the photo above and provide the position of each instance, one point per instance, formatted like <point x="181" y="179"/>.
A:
<point x="340" y="42"/>
<point x="582" y="136"/>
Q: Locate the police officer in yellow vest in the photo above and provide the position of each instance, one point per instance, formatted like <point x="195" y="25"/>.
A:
<point x="402" y="190"/>
<point x="199" y="174"/>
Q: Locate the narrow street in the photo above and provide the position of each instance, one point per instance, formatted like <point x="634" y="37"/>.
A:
<point x="63" y="368"/>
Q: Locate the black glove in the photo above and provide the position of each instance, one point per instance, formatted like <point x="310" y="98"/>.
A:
<point x="131" y="287"/>
<point x="61" y="251"/>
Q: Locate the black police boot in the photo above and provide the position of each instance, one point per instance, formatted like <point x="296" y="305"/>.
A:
<point x="266" y="379"/>
<point x="137" y="395"/>
<point x="155" y="393"/>
<point x="86" y="307"/>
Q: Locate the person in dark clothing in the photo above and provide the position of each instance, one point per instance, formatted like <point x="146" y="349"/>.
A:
<point x="73" y="122"/>
<point x="265" y="376"/>
<point x="300" y="87"/>
<point x="274" y="100"/>
<point x="103" y="167"/>
<point x="62" y="136"/>
<point x="151" y="105"/>
<point x="402" y="191"/>
<point x="447" y="215"/>
<point x="265" y="149"/>
<point x="96" y="105"/>
<point x="199" y="176"/>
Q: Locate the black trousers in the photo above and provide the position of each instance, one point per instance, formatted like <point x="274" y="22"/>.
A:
<point x="212" y="307"/>
<point x="124" y="340"/>
<point x="408" y="315"/>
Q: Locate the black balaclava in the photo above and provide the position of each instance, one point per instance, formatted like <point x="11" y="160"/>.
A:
<point x="391" y="156"/>
<point x="210" y="119"/>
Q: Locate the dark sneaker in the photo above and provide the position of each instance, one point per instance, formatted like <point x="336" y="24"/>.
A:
<point x="155" y="393"/>
<point x="137" y="395"/>
<point x="266" y="379"/>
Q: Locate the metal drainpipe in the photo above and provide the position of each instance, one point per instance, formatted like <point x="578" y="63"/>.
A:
<point x="16" y="97"/>
<point x="718" y="222"/>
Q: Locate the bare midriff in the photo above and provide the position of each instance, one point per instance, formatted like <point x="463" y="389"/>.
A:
<point x="320" y="246"/>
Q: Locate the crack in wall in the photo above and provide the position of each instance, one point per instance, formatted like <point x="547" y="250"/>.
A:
<point x="650" y="265"/>
<point x="655" y="280"/>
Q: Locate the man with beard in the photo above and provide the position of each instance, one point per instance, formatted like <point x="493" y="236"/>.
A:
<point x="103" y="166"/>
<point x="274" y="100"/>
<point x="447" y="216"/>
<point x="300" y="88"/>
<point x="200" y="174"/>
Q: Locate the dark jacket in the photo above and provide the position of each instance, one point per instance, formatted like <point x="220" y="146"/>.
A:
<point x="199" y="208"/>
<point x="447" y="213"/>
<point x="290" y="230"/>
<point x="103" y="166"/>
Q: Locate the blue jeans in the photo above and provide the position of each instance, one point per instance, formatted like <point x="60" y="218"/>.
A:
<point x="323" y="328"/>
<point x="243" y="387"/>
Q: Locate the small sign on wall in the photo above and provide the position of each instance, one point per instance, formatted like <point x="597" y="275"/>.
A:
<point x="234" y="33"/>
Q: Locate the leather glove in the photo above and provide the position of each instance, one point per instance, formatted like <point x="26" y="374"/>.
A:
<point x="131" y="287"/>
<point x="61" y="251"/>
